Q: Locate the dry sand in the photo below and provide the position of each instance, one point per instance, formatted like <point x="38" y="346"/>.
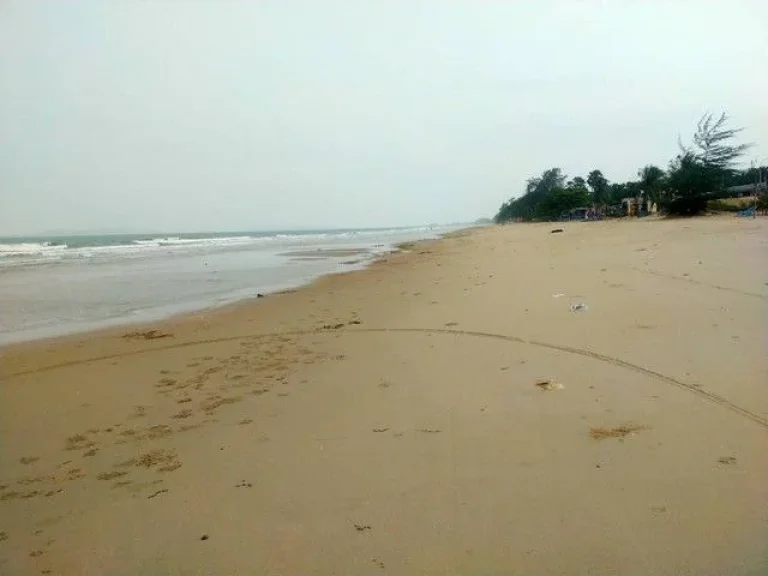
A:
<point x="442" y="412"/>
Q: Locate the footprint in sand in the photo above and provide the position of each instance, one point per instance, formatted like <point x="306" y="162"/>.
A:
<point x="155" y="457"/>
<point x="138" y="412"/>
<point x="620" y="432"/>
<point x="33" y="480"/>
<point x="12" y="495"/>
<point x="127" y="436"/>
<point x="28" y="459"/>
<point x="147" y="335"/>
<point x="210" y="405"/>
<point x="110" y="475"/>
<point x="78" y="442"/>
<point x="186" y="413"/>
<point x="166" y="382"/>
<point x="158" y="431"/>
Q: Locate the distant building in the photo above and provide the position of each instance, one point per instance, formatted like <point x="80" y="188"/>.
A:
<point x="638" y="206"/>
<point x="578" y="214"/>
<point x="746" y="190"/>
<point x="630" y="206"/>
<point x="583" y="213"/>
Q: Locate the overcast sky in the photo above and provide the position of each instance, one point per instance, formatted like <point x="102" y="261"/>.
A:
<point x="224" y="115"/>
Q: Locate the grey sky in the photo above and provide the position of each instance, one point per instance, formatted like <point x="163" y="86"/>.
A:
<point x="204" y="115"/>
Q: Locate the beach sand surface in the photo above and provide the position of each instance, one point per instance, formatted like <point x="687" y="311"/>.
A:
<point x="501" y="401"/>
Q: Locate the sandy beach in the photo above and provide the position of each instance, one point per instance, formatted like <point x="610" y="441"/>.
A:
<point x="501" y="401"/>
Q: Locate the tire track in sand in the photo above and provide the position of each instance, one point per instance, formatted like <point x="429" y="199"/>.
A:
<point x="701" y="393"/>
<point x="700" y="283"/>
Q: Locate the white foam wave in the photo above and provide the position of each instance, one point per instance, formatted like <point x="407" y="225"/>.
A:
<point x="31" y="253"/>
<point x="30" y="249"/>
<point x="213" y="241"/>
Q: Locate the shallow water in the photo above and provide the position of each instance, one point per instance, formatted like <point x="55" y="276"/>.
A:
<point x="53" y="286"/>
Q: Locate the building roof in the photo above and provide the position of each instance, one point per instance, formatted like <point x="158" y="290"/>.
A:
<point x="746" y="187"/>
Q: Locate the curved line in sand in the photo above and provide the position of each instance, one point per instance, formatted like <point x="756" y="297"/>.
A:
<point x="701" y="393"/>
<point x="700" y="283"/>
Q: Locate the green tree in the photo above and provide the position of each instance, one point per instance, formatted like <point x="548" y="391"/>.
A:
<point x="652" y="181"/>
<point x="540" y="187"/>
<point x="701" y="169"/>
<point x="617" y="191"/>
<point x="752" y="175"/>
<point x="577" y="183"/>
<point x="536" y="191"/>
<point x="561" y="200"/>
<point x="711" y="143"/>
<point x="689" y="185"/>
<point x="762" y="203"/>
<point x="600" y="187"/>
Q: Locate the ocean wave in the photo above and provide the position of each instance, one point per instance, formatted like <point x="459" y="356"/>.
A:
<point x="212" y="241"/>
<point x="28" y="252"/>
<point x="30" y="249"/>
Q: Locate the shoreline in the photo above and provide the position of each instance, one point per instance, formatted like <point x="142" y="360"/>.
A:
<point x="203" y="316"/>
<point x="51" y="334"/>
<point x="443" y="410"/>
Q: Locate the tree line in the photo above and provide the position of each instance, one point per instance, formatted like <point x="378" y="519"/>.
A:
<point x="701" y="171"/>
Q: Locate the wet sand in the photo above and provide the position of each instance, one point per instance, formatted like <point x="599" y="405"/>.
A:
<point x="327" y="253"/>
<point x="507" y="401"/>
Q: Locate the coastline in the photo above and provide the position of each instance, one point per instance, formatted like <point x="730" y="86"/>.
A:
<point x="80" y="284"/>
<point x="193" y="319"/>
<point x="393" y="418"/>
<point x="362" y="258"/>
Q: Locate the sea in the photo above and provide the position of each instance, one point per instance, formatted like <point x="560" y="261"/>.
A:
<point x="56" y="285"/>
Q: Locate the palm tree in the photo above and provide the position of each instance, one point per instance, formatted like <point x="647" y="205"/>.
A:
<point x="652" y="181"/>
